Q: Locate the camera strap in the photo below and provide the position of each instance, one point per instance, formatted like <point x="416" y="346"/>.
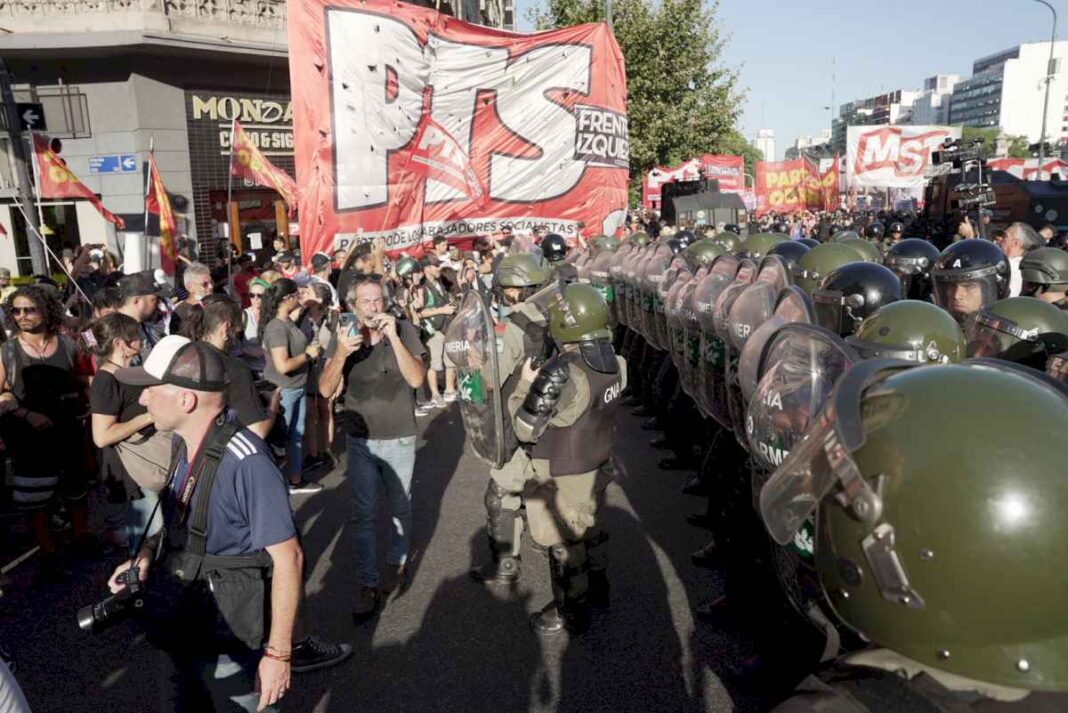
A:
<point x="202" y="472"/>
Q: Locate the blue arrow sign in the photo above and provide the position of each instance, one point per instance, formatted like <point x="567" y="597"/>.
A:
<point x="113" y="163"/>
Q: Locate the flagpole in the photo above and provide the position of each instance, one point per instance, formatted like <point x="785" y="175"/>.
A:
<point x="229" y="197"/>
<point x="37" y="180"/>
<point x="148" y="183"/>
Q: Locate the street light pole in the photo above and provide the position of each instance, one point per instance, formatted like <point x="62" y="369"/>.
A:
<point x="608" y="15"/>
<point x="1049" y="81"/>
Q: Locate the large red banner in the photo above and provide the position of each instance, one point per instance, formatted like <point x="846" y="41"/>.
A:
<point x="412" y="124"/>
<point x="728" y="170"/>
<point x="792" y="186"/>
<point x="1027" y="169"/>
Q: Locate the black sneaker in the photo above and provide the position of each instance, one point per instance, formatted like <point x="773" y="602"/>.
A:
<point x="313" y="654"/>
<point x="304" y="487"/>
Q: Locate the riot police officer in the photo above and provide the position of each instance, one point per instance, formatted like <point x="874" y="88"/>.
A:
<point x="898" y="563"/>
<point x="554" y="248"/>
<point x="911" y="260"/>
<point x="912" y="331"/>
<point x="564" y="414"/>
<point x="851" y="293"/>
<point x="1024" y="330"/>
<point x="968" y="276"/>
<point x="1045" y="275"/>
<point x="819" y="262"/>
<point x="524" y="335"/>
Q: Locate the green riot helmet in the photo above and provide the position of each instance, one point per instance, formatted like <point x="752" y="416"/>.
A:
<point x="702" y="252"/>
<point x="554" y="247"/>
<point x="759" y="245"/>
<point x="868" y="252"/>
<point x="730" y="242"/>
<point x="911" y="260"/>
<point x="819" y="262"/>
<point x="522" y="270"/>
<point x="842" y="235"/>
<point x="406" y="266"/>
<point x="913" y="331"/>
<point x="906" y="529"/>
<point x="790" y="251"/>
<point x="968" y="276"/>
<point x="851" y="293"/>
<point x="1024" y="330"/>
<point x="1042" y="269"/>
<point x="605" y="242"/>
<point x="580" y="314"/>
<point x="640" y="238"/>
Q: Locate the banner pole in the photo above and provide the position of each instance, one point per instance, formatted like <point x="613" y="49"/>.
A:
<point x="148" y="184"/>
<point x="229" y="197"/>
<point x="36" y="179"/>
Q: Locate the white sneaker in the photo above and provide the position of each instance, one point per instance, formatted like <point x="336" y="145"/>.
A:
<point x="422" y="410"/>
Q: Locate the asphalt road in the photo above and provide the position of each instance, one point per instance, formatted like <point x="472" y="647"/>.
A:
<point x="445" y="643"/>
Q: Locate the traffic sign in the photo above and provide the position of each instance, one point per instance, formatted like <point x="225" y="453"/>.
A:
<point x="113" y="163"/>
<point x="31" y="116"/>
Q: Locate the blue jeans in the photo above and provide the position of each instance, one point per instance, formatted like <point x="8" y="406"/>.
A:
<point x="193" y="684"/>
<point x="294" y="413"/>
<point x="137" y="514"/>
<point x="388" y="463"/>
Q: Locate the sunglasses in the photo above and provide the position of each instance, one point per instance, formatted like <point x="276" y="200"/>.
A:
<point x="23" y="310"/>
<point x="255" y="296"/>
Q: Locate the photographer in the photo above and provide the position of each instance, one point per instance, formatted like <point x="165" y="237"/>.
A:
<point x="434" y="307"/>
<point x="228" y="579"/>
<point x="1019" y="239"/>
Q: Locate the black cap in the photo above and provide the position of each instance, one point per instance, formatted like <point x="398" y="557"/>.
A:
<point x="284" y="256"/>
<point x="320" y="260"/>
<point x="177" y="360"/>
<point x="140" y="284"/>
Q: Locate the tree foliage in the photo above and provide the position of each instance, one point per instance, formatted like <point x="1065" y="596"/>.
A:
<point x="682" y="100"/>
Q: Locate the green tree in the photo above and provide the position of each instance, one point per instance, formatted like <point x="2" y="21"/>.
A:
<point x="1018" y="147"/>
<point x="682" y="100"/>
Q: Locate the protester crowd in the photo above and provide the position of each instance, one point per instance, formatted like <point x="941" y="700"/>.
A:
<point x="259" y="366"/>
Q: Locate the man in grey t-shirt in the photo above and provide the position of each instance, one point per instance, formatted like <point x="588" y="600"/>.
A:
<point x="381" y="362"/>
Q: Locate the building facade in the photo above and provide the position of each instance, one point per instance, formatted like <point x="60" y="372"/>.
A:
<point x="812" y="146"/>
<point x="1007" y="90"/>
<point x="117" y="78"/>
<point x="890" y="108"/>
<point x="764" y="142"/>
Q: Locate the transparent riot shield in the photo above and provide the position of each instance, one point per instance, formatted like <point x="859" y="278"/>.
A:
<point x="708" y="381"/>
<point x="615" y="280"/>
<point x="672" y="316"/>
<point x="792" y="305"/>
<point x="471" y="346"/>
<point x="602" y="281"/>
<point x="652" y="275"/>
<point x="690" y="335"/>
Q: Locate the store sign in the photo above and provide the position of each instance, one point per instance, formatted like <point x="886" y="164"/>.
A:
<point x="268" y="122"/>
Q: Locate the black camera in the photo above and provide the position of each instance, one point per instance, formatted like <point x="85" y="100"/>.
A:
<point x="971" y="196"/>
<point x="958" y="152"/>
<point x="104" y="614"/>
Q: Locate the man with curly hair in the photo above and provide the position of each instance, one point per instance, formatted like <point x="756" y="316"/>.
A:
<point x="42" y="398"/>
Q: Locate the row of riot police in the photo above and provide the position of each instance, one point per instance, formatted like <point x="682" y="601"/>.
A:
<point x="883" y="448"/>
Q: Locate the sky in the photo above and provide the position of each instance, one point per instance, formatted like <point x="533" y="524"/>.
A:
<point x="783" y="51"/>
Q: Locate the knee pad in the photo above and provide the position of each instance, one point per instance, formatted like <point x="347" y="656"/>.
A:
<point x="493" y="498"/>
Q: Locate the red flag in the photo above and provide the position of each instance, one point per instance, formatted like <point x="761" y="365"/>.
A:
<point x="55" y="180"/>
<point x="438" y="156"/>
<point x="248" y="163"/>
<point x="159" y="202"/>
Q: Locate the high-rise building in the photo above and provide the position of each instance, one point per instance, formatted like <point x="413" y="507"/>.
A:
<point x="813" y="146"/>
<point x="1006" y="91"/>
<point x="891" y="108"/>
<point x="932" y="106"/>
<point x="764" y="142"/>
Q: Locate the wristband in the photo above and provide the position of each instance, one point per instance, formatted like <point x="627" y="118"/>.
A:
<point x="272" y="653"/>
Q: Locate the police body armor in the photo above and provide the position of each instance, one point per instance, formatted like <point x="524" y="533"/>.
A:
<point x="470" y="343"/>
<point x="200" y="602"/>
<point x="585" y="445"/>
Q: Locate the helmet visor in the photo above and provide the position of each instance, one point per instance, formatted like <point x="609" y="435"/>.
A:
<point x="834" y="310"/>
<point x="992" y="336"/>
<point x="963" y="298"/>
<point x="871" y="350"/>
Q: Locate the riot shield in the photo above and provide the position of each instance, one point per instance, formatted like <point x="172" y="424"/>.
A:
<point x="707" y="381"/>
<point x="602" y="282"/>
<point x="470" y="344"/>
<point x="729" y="377"/>
<point x="664" y="292"/>
<point x="690" y="335"/>
<point x="774" y="270"/>
<point x="792" y="305"/>
<point x="672" y="316"/>
<point x="799" y="366"/>
<point x="652" y="275"/>
<point x="615" y="281"/>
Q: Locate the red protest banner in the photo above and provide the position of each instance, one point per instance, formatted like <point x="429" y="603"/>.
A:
<point x="791" y="186"/>
<point x="158" y="201"/>
<point x="728" y="170"/>
<point x="540" y="119"/>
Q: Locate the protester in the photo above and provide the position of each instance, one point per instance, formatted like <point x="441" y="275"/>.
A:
<point x="251" y="319"/>
<point x="6" y="288"/>
<point x="377" y="363"/>
<point x="319" y="326"/>
<point x="286" y="264"/>
<point x="140" y="299"/>
<point x="43" y="380"/>
<point x="243" y="275"/>
<point x="321" y="267"/>
<point x="1019" y="239"/>
<point x="117" y="417"/>
<point x="433" y="306"/>
<point x="288" y="360"/>
<point x="198" y="284"/>
<point x="244" y="512"/>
